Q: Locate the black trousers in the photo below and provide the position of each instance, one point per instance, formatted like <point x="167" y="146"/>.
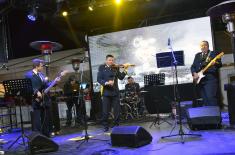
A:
<point x="107" y="103"/>
<point x="70" y="102"/>
<point x="208" y="91"/>
<point x="42" y="120"/>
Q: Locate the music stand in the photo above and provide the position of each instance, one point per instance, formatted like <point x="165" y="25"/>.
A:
<point x="19" y="88"/>
<point x="156" y="105"/>
<point x="169" y="59"/>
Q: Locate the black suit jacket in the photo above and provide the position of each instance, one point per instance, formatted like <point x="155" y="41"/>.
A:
<point x="38" y="85"/>
<point x="199" y="63"/>
<point x="105" y="74"/>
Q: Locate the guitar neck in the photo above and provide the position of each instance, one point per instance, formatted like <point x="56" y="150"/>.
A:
<point x="206" y="68"/>
<point x="49" y="87"/>
<point x="53" y="83"/>
<point x="212" y="61"/>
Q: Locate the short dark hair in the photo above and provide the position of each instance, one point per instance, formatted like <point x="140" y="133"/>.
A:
<point x="109" y="56"/>
<point x="130" y="77"/>
<point x="37" y="62"/>
<point x="206" y="42"/>
<point x="72" y="78"/>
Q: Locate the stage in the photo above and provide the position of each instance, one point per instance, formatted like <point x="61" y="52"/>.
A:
<point x="212" y="142"/>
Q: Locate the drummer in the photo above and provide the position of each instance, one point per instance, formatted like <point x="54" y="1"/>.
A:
<point x="132" y="88"/>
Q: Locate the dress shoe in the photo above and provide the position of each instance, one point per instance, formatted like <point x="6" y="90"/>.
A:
<point x="106" y="129"/>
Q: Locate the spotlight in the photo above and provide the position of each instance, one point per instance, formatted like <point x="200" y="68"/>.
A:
<point x="63" y="8"/>
<point x="33" y="14"/>
<point x="118" y="2"/>
<point x="91" y="4"/>
<point x="90" y="8"/>
<point x="64" y="13"/>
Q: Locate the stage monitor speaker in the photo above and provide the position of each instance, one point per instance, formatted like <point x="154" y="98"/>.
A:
<point x="208" y="117"/>
<point x="41" y="144"/>
<point x="131" y="136"/>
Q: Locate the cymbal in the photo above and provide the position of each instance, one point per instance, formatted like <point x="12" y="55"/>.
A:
<point x="222" y="8"/>
<point x="144" y="91"/>
<point x="43" y="45"/>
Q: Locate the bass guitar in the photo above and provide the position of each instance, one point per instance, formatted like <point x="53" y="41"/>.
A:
<point x="211" y="63"/>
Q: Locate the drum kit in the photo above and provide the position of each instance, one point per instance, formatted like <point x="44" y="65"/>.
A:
<point x="132" y="105"/>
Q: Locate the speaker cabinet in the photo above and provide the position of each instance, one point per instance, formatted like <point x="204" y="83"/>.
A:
<point x="207" y="117"/>
<point x="41" y="144"/>
<point x="131" y="136"/>
<point x="231" y="102"/>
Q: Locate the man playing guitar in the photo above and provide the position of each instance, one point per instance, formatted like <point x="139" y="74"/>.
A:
<point x="41" y="114"/>
<point x="208" y="85"/>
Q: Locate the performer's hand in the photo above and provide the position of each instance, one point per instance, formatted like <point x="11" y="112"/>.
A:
<point x="39" y="94"/>
<point x="57" y="79"/>
<point x="111" y="82"/>
<point x="213" y="63"/>
<point x="195" y="76"/>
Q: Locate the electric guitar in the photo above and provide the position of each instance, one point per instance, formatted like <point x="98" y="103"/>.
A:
<point x="212" y="62"/>
<point x="52" y="84"/>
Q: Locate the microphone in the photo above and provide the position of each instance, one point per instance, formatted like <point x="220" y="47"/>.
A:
<point x="169" y="42"/>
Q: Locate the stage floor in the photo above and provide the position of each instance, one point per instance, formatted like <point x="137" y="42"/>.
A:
<point x="212" y="142"/>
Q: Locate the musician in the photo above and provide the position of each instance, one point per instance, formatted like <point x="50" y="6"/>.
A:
<point x="108" y="77"/>
<point x="41" y="108"/>
<point x="71" y="92"/>
<point x="132" y="86"/>
<point x="208" y="85"/>
<point x="132" y="91"/>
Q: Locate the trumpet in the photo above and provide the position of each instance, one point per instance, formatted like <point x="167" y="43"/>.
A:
<point x="123" y="65"/>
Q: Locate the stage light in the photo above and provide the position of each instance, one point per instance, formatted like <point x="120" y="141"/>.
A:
<point x="118" y="2"/>
<point x="64" y="13"/>
<point x="33" y="14"/>
<point x="63" y="8"/>
<point x="90" y="8"/>
<point x="91" y="4"/>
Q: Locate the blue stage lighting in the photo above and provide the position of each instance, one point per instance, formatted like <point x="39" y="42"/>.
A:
<point x="32" y="15"/>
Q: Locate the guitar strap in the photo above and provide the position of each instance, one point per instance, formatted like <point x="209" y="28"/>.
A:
<point x="205" y="59"/>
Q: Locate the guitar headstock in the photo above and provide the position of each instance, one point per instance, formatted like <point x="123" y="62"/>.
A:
<point x="220" y="55"/>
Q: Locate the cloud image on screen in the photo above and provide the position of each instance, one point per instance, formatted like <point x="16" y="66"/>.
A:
<point x="139" y="46"/>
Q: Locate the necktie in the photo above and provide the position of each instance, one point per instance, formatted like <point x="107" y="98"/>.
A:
<point x="40" y="76"/>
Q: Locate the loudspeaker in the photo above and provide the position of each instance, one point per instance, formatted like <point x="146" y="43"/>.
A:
<point x="208" y="117"/>
<point x="231" y="102"/>
<point x="131" y="136"/>
<point x="41" y="144"/>
<point x="4" y="38"/>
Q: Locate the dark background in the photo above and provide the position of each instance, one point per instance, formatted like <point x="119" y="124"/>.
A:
<point x="71" y="31"/>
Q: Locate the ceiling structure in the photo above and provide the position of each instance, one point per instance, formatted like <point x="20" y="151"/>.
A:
<point x="71" y="32"/>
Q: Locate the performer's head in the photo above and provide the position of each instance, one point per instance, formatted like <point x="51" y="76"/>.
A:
<point x="204" y="46"/>
<point x="38" y="64"/>
<point x="109" y="60"/>
<point x="130" y="79"/>
<point x="72" y="79"/>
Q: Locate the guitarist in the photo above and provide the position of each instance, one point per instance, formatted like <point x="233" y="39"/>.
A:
<point x="208" y="85"/>
<point x="41" y="114"/>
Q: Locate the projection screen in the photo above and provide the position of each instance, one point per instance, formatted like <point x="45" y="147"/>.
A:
<point x="139" y="46"/>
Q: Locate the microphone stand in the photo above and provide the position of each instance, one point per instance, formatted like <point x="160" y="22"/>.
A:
<point x="82" y="101"/>
<point x="4" y="66"/>
<point x="181" y="132"/>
